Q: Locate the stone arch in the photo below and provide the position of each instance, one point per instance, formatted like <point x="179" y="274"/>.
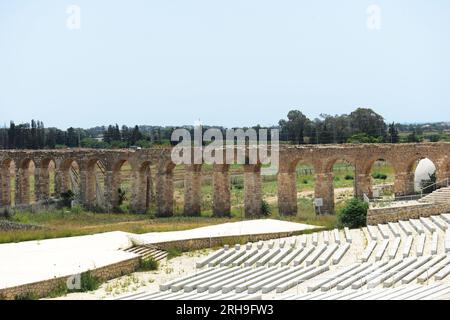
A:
<point x="120" y="184"/>
<point x="93" y="184"/>
<point x="46" y="184"/>
<point x="367" y="177"/>
<point x="143" y="194"/>
<point x="67" y="176"/>
<point x="25" y="182"/>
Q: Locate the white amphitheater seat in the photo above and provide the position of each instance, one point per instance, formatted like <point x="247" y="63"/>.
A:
<point x="209" y="258"/>
<point x="306" y="252"/>
<point x="348" y="282"/>
<point x="382" y="277"/>
<point x="232" y="285"/>
<point x="256" y="257"/>
<point x="403" y="273"/>
<point x="428" y="224"/>
<point x="394" y="248"/>
<point x="277" y="259"/>
<point x="444" y="272"/>
<point x="383" y="230"/>
<point x="415" y="273"/>
<point x="247" y="255"/>
<point x="368" y="251"/>
<point x="331" y="277"/>
<point x="315" y="255"/>
<point x="221" y="258"/>
<point x="420" y="246"/>
<point x="340" y="253"/>
<point x="217" y="285"/>
<point x="274" y="272"/>
<point x="291" y="256"/>
<point x="272" y="253"/>
<point x="334" y="282"/>
<point x="348" y="236"/>
<point x="227" y="278"/>
<point x="303" y="277"/>
<point x="381" y="249"/>
<point x="417" y="225"/>
<point x="434" y="243"/>
<point x="447" y="241"/>
<point x="336" y="236"/>
<point x="406" y="227"/>
<point x="373" y="233"/>
<point x="315" y="238"/>
<point x="326" y="237"/>
<point x="225" y="272"/>
<point x="407" y="246"/>
<point x="233" y="257"/>
<point x="376" y="273"/>
<point x="437" y="220"/>
<point x="290" y="275"/>
<point x="167" y="285"/>
<point x="424" y="277"/>
<point x="394" y="229"/>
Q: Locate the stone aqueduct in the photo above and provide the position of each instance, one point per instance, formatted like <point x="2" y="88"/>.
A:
<point x="402" y="157"/>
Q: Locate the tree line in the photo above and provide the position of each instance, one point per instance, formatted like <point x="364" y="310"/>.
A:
<point x="363" y="125"/>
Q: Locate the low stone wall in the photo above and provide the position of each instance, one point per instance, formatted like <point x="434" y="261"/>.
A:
<point x="394" y="214"/>
<point x="44" y="288"/>
<point x="203" y="243"/>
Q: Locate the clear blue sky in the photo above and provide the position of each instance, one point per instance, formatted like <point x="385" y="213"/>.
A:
<point x="232" y="63"/>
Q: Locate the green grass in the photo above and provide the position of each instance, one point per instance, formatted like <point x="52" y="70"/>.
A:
<point x="148" y="264"/>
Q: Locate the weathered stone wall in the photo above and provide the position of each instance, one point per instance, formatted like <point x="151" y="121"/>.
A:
<point x="44" y="288"/>
<point x="394" y="214"/>
<point x="403" y="157"/>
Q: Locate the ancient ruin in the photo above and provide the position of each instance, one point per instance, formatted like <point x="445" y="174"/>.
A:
<point x="402" y="157"/>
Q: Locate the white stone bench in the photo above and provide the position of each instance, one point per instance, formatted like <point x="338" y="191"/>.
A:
<point x="245" y="274"/>
<point x="306" y="252"/>
<point x="394" y="229"/>
<point x="331" y="277"/>
<point x="372" y="231"/>
<point x="368" y="251"/>
<point x="437" y="220"/>
<point x="394" y="248"/>
<point x="428" y="224"/>
<point x="192" y="285"/>
<point x="376" y="273"/>
<point x="420" y="246"/>
<point x="167" y="285"/>
<point x="291" y="256"/>
<point x="221" y="258"/>
<point x="258" y="272"/>
<point x="406" y="227"/>
<point x="315" y="255"/>
<point x="382" y="277"/>
<point x="407" y="246"/>
<point x="245" y="257"/>
<point x="384" y="231"/>
<point x="334" y="282"/>
<point x="267" y="257"/>
<point x="256" y="286"/>
<point x="328" y="253"/>
<point x="424" y="277"/>
<point x="227" y="277"/>
<point x="243" y="286"/>
<point x="444" y="272"/>
<point x="326" y="237"/>
<point x="381" y="249"/>
<point x="256" y="257"/>
<point x="445" y="217"/>
<point x="340" y="253"/>
<point x="285" y="278"/>
<point x="305" y="276"/>
<point x="434" y="243"/>
<point x="348" y="282"/>
<point x="417" y="225"/>
<point x="403" y="273"/>
<point x="234" y="257"/>
<point x="277" y="259"/>
<point x="209" y="258"/>
<point x="348" y="236"/>
<point x="315" y="238"/>
<point x="416" y="273"/>
<point x="447" y="241"/>
<point x="336" y="236"/>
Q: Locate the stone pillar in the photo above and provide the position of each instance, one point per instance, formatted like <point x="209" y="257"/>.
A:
<point x="287" y="193"/>
<point x="404" y="183"/>
<point x="88" y="186"/>
<point x="252" y="190"/>
<point x="192" y="190"/>
<point x="22" y="186"/>
<point x="112" y="183"/>
<point x="138" y="187"/>
<point x="42" y="183"/>
<point x="221" y="191"/>
<point x="164" y="193"/>
<point x="363" y="185"/>
<point x="5" y="186"/>
<point x="324" y="189"/>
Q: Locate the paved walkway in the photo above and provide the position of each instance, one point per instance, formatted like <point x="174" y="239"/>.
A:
<point x="33" y="261"/>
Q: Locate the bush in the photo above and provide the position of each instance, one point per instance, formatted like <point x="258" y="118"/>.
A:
<point x="173" y="252"/>
<point x="353" y="214"/>
<point x="148" y="264"/>
<point x="349" y="177"/>
<point x="379" y="176"/>
<point x="266" y="210"/>
<point x="89" y="282"/>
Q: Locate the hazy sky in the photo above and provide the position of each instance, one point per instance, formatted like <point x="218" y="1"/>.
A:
<point x="232" y="63"/>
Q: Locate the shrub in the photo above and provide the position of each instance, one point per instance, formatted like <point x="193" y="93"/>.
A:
<point x="265" y="208"/>
<point x="353" y="214"/>
<point x="89" y="282"/>
<point x="148" y="264"/>
<point x="379" y="176"/>
<point x="67" y="198"/>
<point x="305" y="181"/>
<point x="173" y="252"/>
<point x="349" y="177"/>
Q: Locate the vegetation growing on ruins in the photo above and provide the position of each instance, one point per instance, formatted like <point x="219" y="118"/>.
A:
<point x="353" y="214"/>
